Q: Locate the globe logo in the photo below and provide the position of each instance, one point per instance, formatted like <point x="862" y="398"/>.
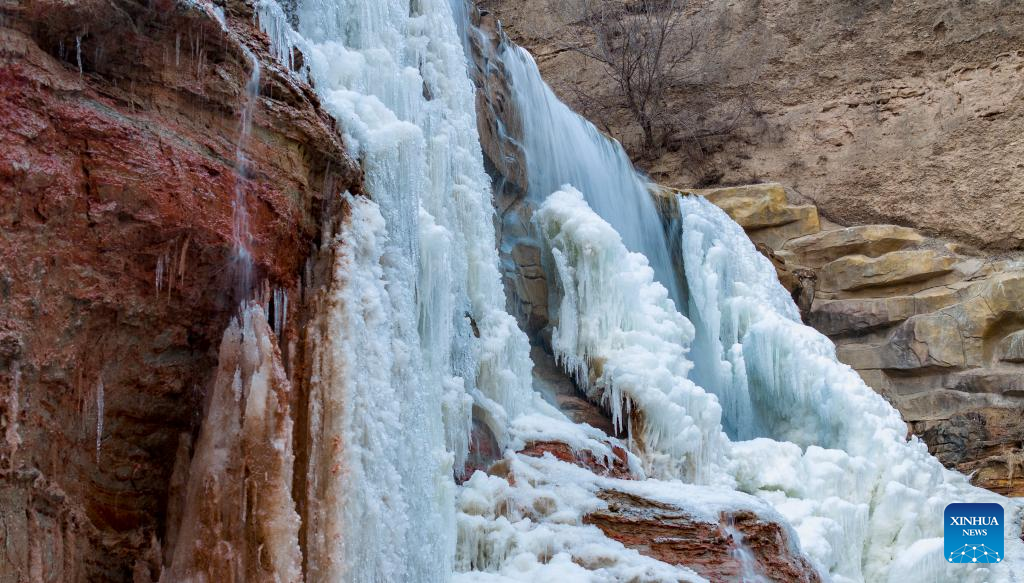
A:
<point x="974" y="554"/>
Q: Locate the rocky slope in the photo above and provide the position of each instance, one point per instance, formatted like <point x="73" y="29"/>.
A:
<point x="854" y="105"/>
<point x="120" y="129"/>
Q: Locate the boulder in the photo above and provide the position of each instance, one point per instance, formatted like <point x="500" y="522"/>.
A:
<point x="869" y="240"/>
<point x="898" y="267"/>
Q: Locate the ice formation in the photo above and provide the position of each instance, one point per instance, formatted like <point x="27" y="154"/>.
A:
<point x="834" y="457"/>
<point x="410" y="341"/>
<point x="838" y="466"/>
<point x="562" y="147"/>
<point x="531" y="529"/>
<point x="416" y="335"/>
<point x="239" y="522"/>
<point x="619" y="333"/>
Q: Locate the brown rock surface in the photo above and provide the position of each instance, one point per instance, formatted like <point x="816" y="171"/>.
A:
<point x="618" y="467"/>
<point x="712" y="549"/>
<point x="120" y="123"/>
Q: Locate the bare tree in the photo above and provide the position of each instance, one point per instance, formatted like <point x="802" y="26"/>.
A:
<point x="642" y="45"/>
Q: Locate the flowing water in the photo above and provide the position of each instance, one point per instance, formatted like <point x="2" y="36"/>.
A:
<point x="563" y="148"/>
<point x="241" y="236"/>
<point x="743" y="407"/>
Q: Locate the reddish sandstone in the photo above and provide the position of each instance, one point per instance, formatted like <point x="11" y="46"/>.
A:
<point x="673" y="535"/>
<point x="109" y="174"/>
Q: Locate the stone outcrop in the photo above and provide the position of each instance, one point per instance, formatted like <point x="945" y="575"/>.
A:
<point x="935" y="327"/>
<point x="617" y="467"/>
<point x="741" y="546"/>
<point x="120" y="129"/>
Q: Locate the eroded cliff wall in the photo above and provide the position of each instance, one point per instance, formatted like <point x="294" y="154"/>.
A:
<point x="120" y="123"/>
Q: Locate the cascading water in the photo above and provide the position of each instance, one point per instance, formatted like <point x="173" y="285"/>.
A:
<point x="410" y="341"/>
<point x="564" y="148"/>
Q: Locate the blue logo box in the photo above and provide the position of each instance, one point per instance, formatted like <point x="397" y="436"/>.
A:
<point x="973" y="533"/>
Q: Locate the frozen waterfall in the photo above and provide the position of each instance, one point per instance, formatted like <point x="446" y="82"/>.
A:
<point x="410" y="344"/>
<point x="863" y="500"/>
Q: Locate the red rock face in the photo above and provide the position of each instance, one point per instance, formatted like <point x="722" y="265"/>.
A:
<point x="617" y="467"/>
<point x="119" y="125"/>
<point x="741" y="546"/>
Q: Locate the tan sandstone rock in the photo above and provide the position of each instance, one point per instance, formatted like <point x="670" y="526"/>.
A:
<point x="765" y="212"/>
<point x="859" y="271"/>
<point x="870" y="240"/>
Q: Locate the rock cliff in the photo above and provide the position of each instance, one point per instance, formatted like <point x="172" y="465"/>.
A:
<point x="120" y="131"/>
<point x="853" y="104"/>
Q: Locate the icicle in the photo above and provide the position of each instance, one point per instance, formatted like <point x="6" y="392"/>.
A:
<point x="100" y="412"/>
<point x="78" y="54"/>
<point x="159" y="273"/>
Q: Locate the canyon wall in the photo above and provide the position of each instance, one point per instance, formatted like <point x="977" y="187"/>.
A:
<point x="121" y="124"/>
